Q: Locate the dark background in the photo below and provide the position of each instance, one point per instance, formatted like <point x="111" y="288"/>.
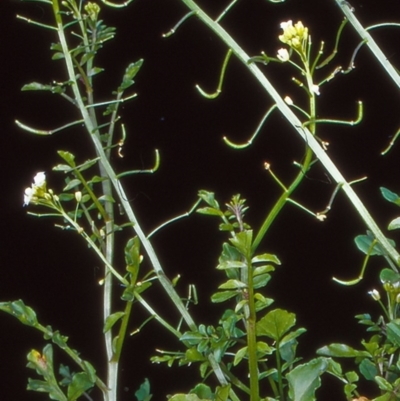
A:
<point x="54" y="272"/>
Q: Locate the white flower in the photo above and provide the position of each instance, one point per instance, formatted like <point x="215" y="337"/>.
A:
<point x="37" y="190"/>
<point x="40" y="179"/>
<point x="315" y="89"/>
<point x="288" y="100"/>
<point x="28" y="196"/>
<point x="283" y="55"/>
<point x="375" y="295"/>
<point x="287" y="25"/>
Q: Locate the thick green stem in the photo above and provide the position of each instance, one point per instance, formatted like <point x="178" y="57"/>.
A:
<point x="251" y="337"/>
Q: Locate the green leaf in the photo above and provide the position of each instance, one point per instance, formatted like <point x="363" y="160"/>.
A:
<point x="23" y="313"/>
<point x="209" y="211"/>
<point x="389" y="276"/>
<point x="88" y="164"/>
<point x="111" y="320"/>
<point x="265" y="257"/>
<point x="62" y="167"/>
<point x="222" y="393"/>
<point x="393" y="332"/>
<point x="304" y="380"/>
<point x="209" y="198"/>
<point x="292" y="335"/>
<point x="261" y="280"/>
<point x="263" y="269"/>
<point x="72" y="184"/>
<point x="68" y="157"/>
<point x="184" y="397"/>
<point x="192" y="337"/>
<point x="231" y="284"/>
<point x="242" y="242"/>
<point x="223" y="296"/>
<point x="276" y="324"/>
<point x="132" y="257"/>
<point x="364" y="243"/>
<point x="368" y="369"/>
<point x="143" y="394"/>
<point x="57" y="56"/>
<point x="193" y="355"/>
<point x="202" y="391"/>
<point x="390" y="196"/>
<point x="130" y="73"/>
<point x="394" y="224"/>
<point x="80" y="383"/>
<point x="341" y="351"/>
<point x="240" y="355"/>
<point x="231" y="264"/>
<point x="383" y="384"/>
<point x="36" y="86"/>
<point x="95" y="71"/>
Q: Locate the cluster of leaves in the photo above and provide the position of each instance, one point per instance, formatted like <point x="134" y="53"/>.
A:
<point x="245" y="333"/>
<point x="379" y="361"/>
<point x="76" y="383"/>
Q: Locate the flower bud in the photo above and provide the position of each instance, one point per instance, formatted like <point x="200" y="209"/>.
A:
<point x="78" y="196"/>
<point x="375" y="295"/>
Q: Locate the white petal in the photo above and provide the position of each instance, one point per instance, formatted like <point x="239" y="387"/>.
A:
<point x="27" y="196"/>
<point x="40" y="179"/>
<point x="283" y="55"/>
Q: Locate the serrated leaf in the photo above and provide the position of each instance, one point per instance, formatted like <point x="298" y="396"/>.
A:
<point x="130" y="73"/>
<point x="111" y="320"/>
<point x="275" y="324"/>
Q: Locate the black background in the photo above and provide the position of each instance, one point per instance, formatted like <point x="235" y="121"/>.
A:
<point x="54" y="272"/>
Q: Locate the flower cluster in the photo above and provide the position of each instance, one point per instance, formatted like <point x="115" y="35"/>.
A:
<point x="37" y="190"/>
<point x="93" y="11"/>
<point x="294" y="36"/>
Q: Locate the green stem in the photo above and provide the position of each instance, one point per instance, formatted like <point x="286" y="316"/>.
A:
<point x="251" y="336"/>
<point x="369" y="41"/>
<point x="279" y="370"/>
<point x="307" y="136"/>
